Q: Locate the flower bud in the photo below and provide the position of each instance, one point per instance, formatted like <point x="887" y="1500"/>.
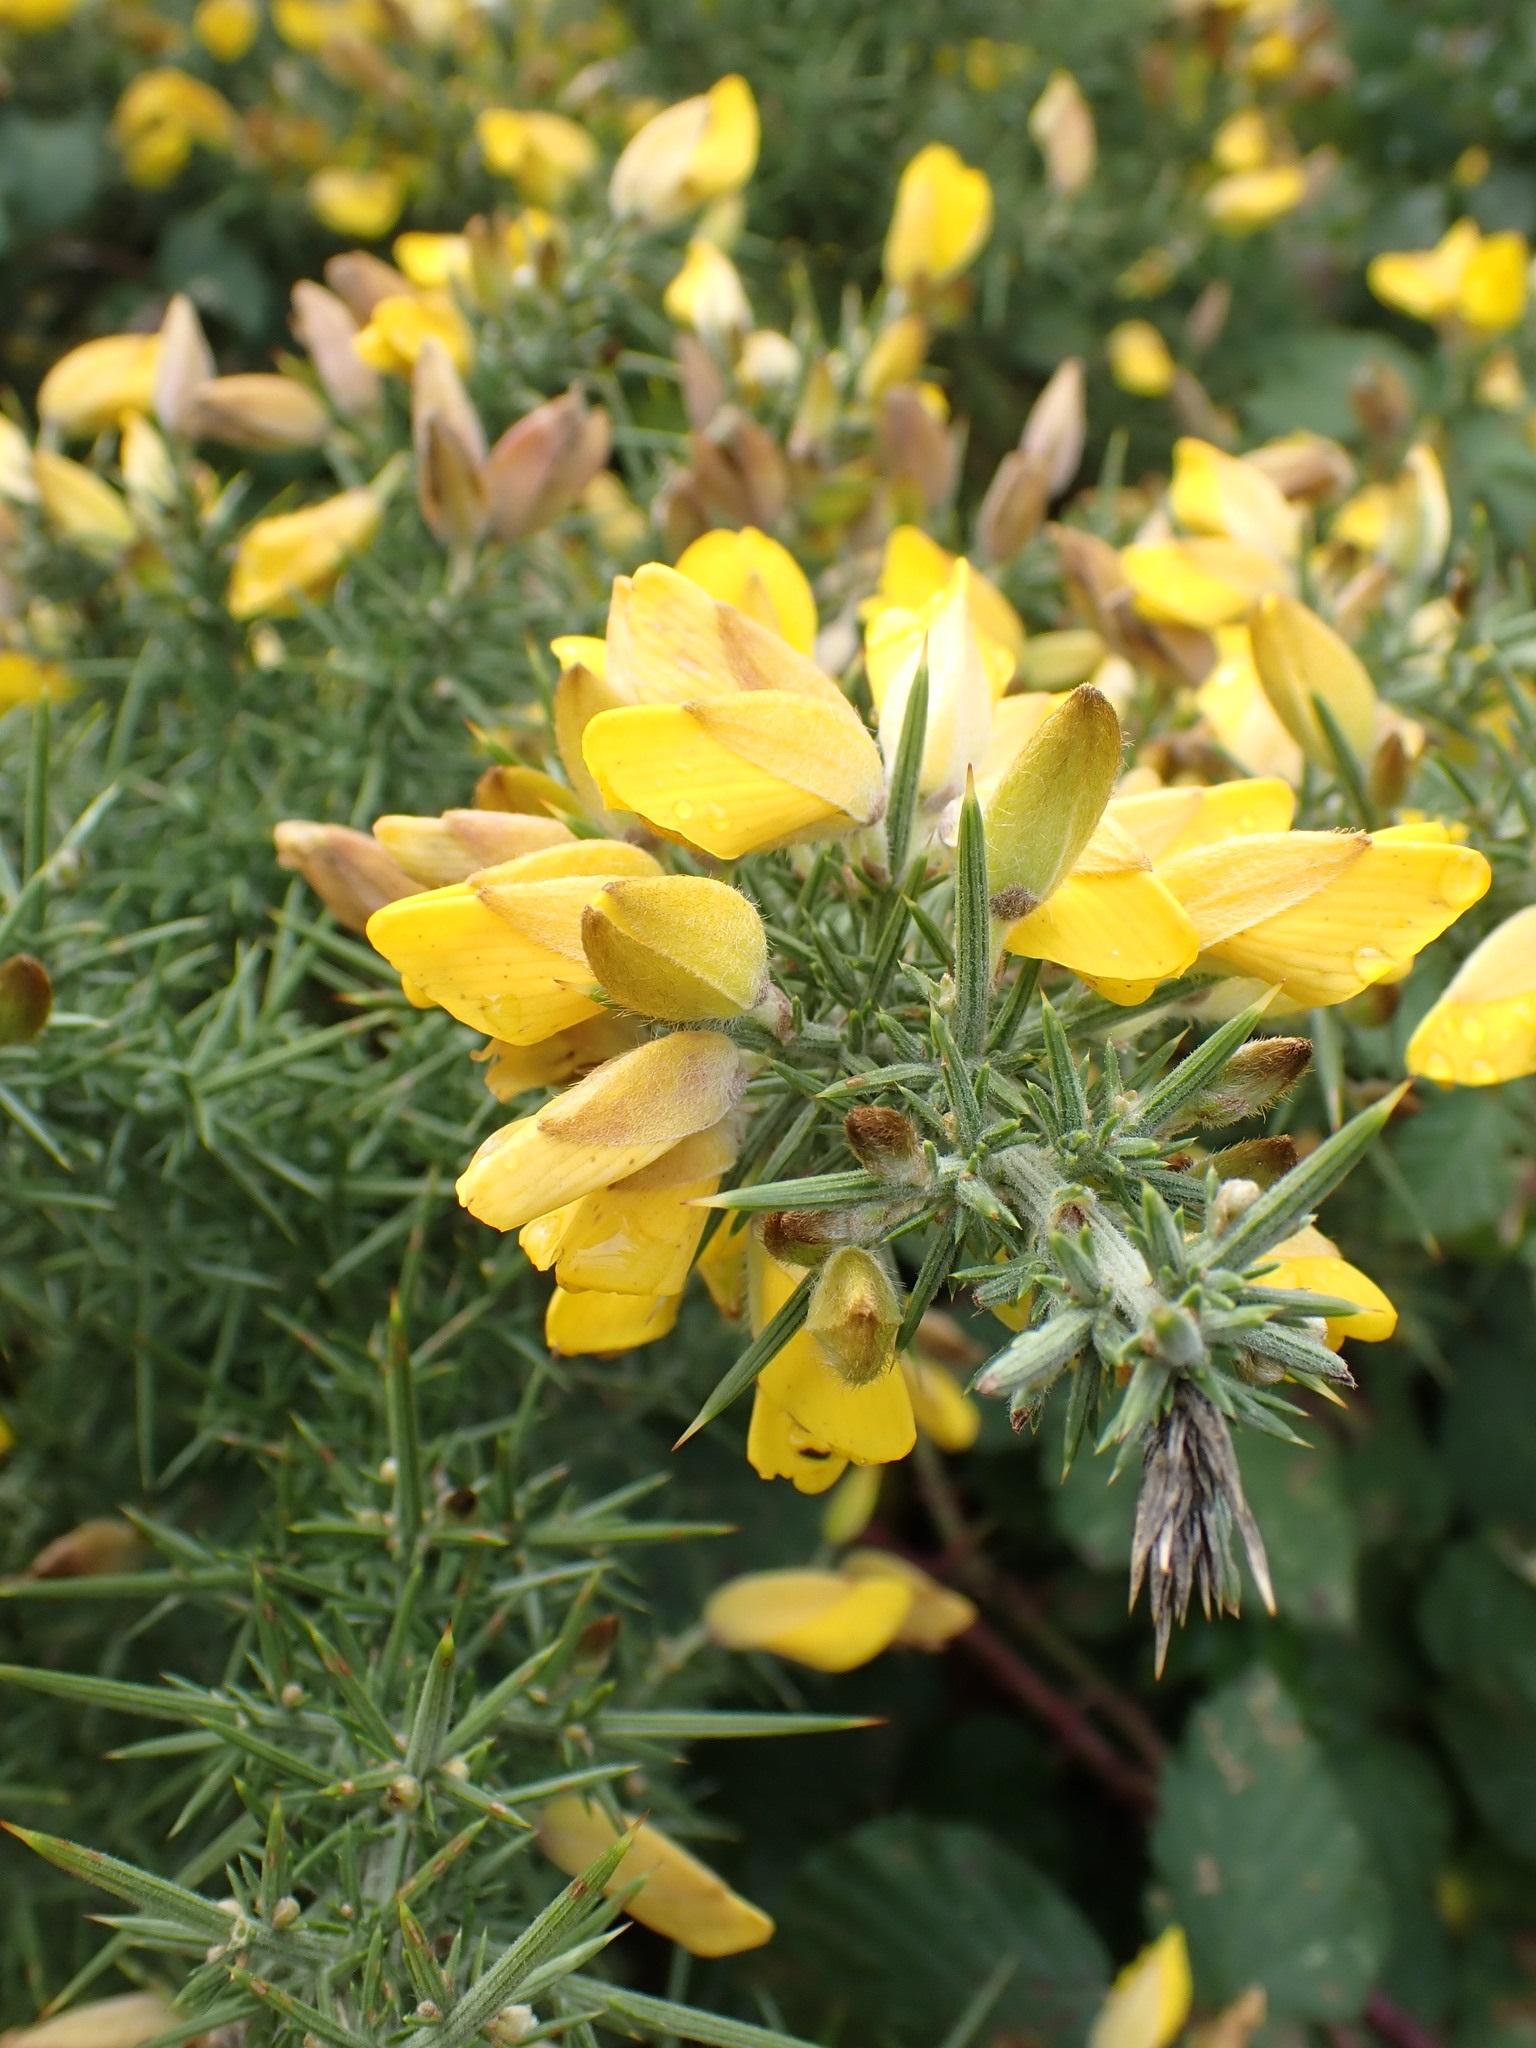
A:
<point x="127" y="2020"/>
<point x="700" y="149"/>
<point x="257" y="411"/>
<point x="541" y="466"/>
<point x="1256" y="1076"/>
<point x="1264" y="1160"/>
<point x="739" y="472"/>
<point x="1014" y="508"/>
<point x="26" y="998"/>
<point x="512" y="2024"/>
<point x="702" y="381"/>
<point x="942" y="217"/>
<point x="403" y="1793"/>
<point x="1061" y="123"/>
<point x="854" y="1315"/>
<point x="326" y="329"/>
<point x="885" y="1143"/>
<point x="1306" y="466"/>
<point x="450" y="451"/>
<point x="1057" y="425"/>
<point x="917" y="449"/>
<point x="349" y="871"/>
<point x="82" y="508"/>
<point x="1044" y="807"/>
<point x="1299" y="657"/>
<point x="679" y="947"/>
<point x="148" y="471"/>
<point x="707" y="294"/>
<point x="896" y="355"/>
<point x="184" y="362"/>
<point x="107" y="1545"/>
<point x="435" y="852"/>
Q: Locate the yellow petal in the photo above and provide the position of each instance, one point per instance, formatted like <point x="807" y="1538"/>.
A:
<point x="852" y="1507"/>
<point x="513" y="1070"/>
<point x="1227" y="887"/>
<point x="1149" y="2001"/>
<point x="941" y="1408"/>
<point x="677" y="946"/>
<point x="621" y="1118"/>
<point x="1216" y="493"/>
<point x="915" y="569"/>
<point x="1165" y="822"/>
<point x="439" y="851"/>
<point x="126" y="2021"/>
<point x="937" y="1615"/>
<point x="1042" y="811"/>
<point x="707" y="294"/>
<point x="1425" y="283"/>
<point x="759" y="576"/>
<point x="1233" y="704"/>
<point x="97" y="383"/>
<point x="870" y="1424"/>
<point x="363" y="204"/>
<point x="696" y="150"/>
<point x="681" y="1897"/>
<point x="1495" y="284"/>
<point x="589" y="1324"/>
<point x="1311" y="1262"/>
<point x="827" y="1620"/>
<point x="1298" y="657"/>
<point x="1483" y="1028"/>
<point x="82" y="507"/>
<point x="740" y="774"/>
<point x="943" y="215"/>
<point x="1203" y="583"/>
<point x="960" y="691"/>
<point x="1373" y="916"/>
<point x="638" y="1236"/>
<point x="777" y="1447"/>
<point x="299" y="554"/>
<point x="1139" y="360"/>
<point x="1121" y="928"/>
<point x="1245" y="200"/>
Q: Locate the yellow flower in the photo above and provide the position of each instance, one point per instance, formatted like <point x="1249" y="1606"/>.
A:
<point x="97" y="383"/>
<point x="1233" y="704"/>
<point x="621" y="1118"/>
<point x="937" y="1615"/>
<point x="681" y="1897"/>
<point x="868" y="1422"/>
<point x="299" y="554"/>
<point x="435" y="852"/>
<point x="1483" y="1028"/>
<point x="34" y="18"/>
<point x="401" y="325"/>
<point x="310" y="25"/>
<point x="942" y="217"/>
<point x="759" y="576"/>
<point x="569" y="1055"/>
<point x="698" y="150"/>
<point x="1149" y="2001"/>
<point x="895" y="356"/>
<point x="24" y="680"/>
<point x="915" y="569"/>
<point x="590" y="1324"/>
<point x="1242" y="142"/>
<point x="162" y="116"/>
<point x="434" y="262"/>
<point x="1467" y="276"/>
<point x="226" y="28"/>
<point x="361" y="204"/>
<point x="831" y="1621"/>
<point x="1244" y="201"/>
<point x="1061" y="123"/>
<point x="1311" y="1262"/>
<point x="679" y="947"/>
<point x="1205" y="582"/>
<point x="81" y="507"/>
<point x="941" y="1408"/>
<point x="962" y="682"/>
<point x="722" y="736"/>
<point x="1220" y="494"/>
<point x="1139" y="360"/>
<point x="1299" y="658"/>
<point x="546" y="154"/>
<point x="707" y="293"/>
<point x="503" y="953"/>
<point x="1322" y="915"/>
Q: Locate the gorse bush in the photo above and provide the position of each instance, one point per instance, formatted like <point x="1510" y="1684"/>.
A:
<point x="888" y="662"/>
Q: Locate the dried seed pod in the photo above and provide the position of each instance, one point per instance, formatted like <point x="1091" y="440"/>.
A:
<point x="26" y="999"/>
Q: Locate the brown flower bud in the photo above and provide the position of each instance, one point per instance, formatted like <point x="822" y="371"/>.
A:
<point x="106" y="1545"/>
<point x="1103" y="598"/>
<point x="1256" y="1076"/>
<point x="326" y="329"/>
<point x="1057" y="425"/>
<point x="1304" y="465"/>
<point x="257" y="411"/>
<point x="1381" y="401"/>
<point x="184" y="361"/>
<point x="349" y="871"/>
<point x="885" y="1143"/>
<point x="446" y="434"/>
<point x="803" y="1237"/>
<point x="541" y="466"/>
<point x="434" y="852"/>
<point x="678" y="511"/>
<point x="740" y="472"/>
<point x="26" y="998"/>
<point x="1391" y="768"/>
<point x="360" y="281"/>
<point x="1014" y="507"/>
<point x="702" y="381"/>
<point x="918" y="453"/>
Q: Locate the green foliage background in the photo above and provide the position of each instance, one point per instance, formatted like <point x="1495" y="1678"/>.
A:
<point x="235" y="1140"/>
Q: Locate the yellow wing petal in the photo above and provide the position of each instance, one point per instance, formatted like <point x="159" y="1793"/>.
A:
<point x="589" y="1324"/>
<point x="1165" y="822"/>
<point x="456" y="951"/>
<point x="1227" y="888"/>
<point x="1124" y="926"/>
<point x="827" y="1620"/>
<point x="1475" y="1045"/>
<point x="681" y="1897"/>
<point x="778" y="1448"/>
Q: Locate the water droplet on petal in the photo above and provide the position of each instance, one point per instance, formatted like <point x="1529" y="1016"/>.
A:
<point x="1370" y="963"/>
<point x="682" y="810"/>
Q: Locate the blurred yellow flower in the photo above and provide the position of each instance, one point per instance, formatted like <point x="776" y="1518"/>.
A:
<point x="698" y="150"/>
<point x="360" y="204"/>
<point x="434" y="262"/>
<point x="680" y="1897"/>
<point x="1242" y="141"/>
<point x="942" y="217"/>
<point x="759" y="576"/>
<point x="1483" y="1028"/>
<point x="226" y="28"/>
<point x="1311" y="1261"/>
<point x="399" y="328"/>
<point x="24" y="679"/>
<point x="1139" y="360"/>
<point x="81" y="507"/>
<point x="707" y="293"/>
<point x="35" y="18"/>
<point x="1061" y="123"/>
<point x="98" y="383"/>
<point x="895" y="355"/>
<point x="1149" y="2001"/>
<point x="1246" y="200"/>
<point x="826" y="1620"/>
<point x="546" y="154"/>
<point x="162" y="116"/>
<point x="299" y="554"/>
<point x="309" y="25"/>
<point x="1477" y="279"/>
